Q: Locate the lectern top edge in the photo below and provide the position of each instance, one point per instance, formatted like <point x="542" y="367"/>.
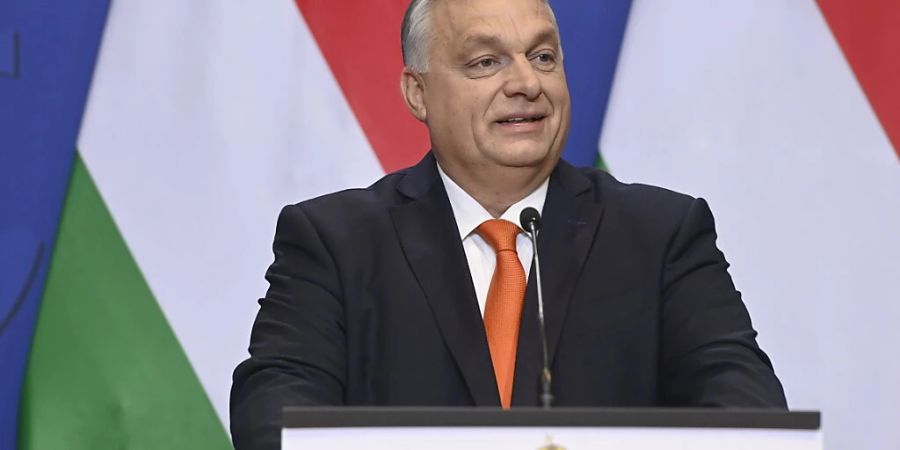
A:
<point x="331" y="417"/>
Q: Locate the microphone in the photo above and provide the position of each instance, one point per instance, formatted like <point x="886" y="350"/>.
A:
<point x="530" y="219"/>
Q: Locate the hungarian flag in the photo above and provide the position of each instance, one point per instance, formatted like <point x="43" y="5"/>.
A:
<point x="147" y="147"/>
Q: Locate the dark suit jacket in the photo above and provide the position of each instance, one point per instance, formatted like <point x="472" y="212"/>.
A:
<point x="371" y="303"/>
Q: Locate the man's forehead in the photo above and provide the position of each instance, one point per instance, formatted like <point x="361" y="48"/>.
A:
<point x="487" y="6"/>
<point x="476" y="21"/>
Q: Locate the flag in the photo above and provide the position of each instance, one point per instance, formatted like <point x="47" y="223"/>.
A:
<point x="47" y="52"/>
<point x="782" y="114"/>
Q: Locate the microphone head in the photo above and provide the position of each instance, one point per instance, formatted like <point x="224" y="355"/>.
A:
<point x="530" y="219"/>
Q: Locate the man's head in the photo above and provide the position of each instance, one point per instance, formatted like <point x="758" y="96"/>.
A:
<point x="487" y="78"/>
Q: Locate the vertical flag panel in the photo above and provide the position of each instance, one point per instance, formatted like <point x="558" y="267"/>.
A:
<point x="592" y="33"/>
<point x="47" y="54"/>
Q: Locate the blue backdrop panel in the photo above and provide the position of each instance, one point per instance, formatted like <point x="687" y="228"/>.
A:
<point x="47" y="54"/>
<point x="592" y="33"/>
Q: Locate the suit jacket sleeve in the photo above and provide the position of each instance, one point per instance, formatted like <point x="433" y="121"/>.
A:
<point x="709" y="355"/>
<point x="298" y="344"/>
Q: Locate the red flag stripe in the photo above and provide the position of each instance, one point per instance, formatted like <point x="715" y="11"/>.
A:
<point x="869" y="35"/>
<point x="361" y="42"/>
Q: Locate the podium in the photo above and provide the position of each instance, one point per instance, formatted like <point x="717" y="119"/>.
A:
<point x="549" y="429"/>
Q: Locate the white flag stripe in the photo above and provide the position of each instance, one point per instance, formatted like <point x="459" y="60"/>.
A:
<point x="205" y="117"/>
<point x="751" y="104"/>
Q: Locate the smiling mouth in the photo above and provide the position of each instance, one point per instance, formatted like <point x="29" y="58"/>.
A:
<point x="518" y="120"/>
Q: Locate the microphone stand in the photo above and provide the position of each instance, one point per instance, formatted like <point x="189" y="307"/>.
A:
<point x="530" y="219"/>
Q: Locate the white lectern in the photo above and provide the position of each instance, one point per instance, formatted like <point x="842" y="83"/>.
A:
<point x="549" y="429"/>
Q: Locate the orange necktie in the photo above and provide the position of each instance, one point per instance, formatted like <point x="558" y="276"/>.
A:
<point x="503" y="310"/>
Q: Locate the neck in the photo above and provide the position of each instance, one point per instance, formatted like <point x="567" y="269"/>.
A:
<point x="498" y="188"/>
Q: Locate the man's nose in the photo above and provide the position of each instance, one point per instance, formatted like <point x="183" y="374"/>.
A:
<point x="522" y="79"/>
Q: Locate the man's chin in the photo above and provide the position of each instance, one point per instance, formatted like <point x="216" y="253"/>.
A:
<point x="525" y="156"/>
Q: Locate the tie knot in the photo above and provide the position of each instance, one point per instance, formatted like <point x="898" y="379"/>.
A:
<point x="500" y="234"/>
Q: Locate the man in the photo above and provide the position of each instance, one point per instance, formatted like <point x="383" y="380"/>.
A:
<point x="412" y="292"/>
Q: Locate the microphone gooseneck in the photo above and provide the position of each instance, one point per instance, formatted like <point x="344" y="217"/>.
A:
<point x="530" y="220"/>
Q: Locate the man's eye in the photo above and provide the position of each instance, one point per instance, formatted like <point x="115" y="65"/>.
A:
<point x="484" y="66"/>
<point x="487" y="63"/>
<point x="545" y="58"/>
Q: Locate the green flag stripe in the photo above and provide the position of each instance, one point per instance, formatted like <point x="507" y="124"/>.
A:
<point x="600" y="163"/>
<point x="106" y="370"/>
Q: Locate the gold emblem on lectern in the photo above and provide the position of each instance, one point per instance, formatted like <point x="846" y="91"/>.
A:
<point x="549" y="445"/>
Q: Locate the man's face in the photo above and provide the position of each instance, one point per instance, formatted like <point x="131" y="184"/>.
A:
<point x="495" y="92"/>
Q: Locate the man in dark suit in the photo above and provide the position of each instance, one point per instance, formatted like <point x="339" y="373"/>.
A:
<point x="414" y="291"/>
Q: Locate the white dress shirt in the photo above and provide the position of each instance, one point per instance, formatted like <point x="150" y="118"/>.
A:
<point x="480" y="255"/>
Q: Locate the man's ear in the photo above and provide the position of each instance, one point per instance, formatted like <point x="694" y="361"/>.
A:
<point x="412" y="86"/>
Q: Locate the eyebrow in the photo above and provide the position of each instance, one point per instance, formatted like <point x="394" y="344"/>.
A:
<point x="492" y="40"/>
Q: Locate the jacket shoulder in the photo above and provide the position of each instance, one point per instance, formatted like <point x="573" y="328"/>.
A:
<point x="636" y="198"/>
<point x="351" y="211"/>
<point x="644" y="211"/>
<point x="382" y="192"/>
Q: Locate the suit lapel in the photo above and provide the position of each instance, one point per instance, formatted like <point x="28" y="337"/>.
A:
<point x="570" y="219"/>
<point x="430" y="240"/>
<point x="571" y="216"/>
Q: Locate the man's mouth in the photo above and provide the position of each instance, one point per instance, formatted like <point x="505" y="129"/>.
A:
<point x="521" y="119"/>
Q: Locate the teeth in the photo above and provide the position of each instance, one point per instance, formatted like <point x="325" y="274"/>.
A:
<point x="519" y="120"/>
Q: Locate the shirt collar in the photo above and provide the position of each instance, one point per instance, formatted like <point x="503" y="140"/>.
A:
<point x="470" y="214"/>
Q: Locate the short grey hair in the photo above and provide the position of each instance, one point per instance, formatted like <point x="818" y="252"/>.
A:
<point x="414" y="33"/>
